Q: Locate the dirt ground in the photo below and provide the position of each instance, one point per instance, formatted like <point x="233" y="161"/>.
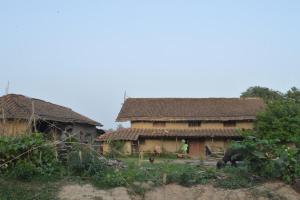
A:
<point x="274" y="191"/>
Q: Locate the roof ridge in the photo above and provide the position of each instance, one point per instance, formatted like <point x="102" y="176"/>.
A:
<point x="10" y="97"/>
<point x="37" y="99"/>
<point x="196" y="98"/>
<point x="21" y="106"/>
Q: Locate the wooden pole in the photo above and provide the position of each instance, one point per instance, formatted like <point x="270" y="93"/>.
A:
<point x="3" y="116"/>
<point x="3" y="121"/>
<point x="33" y="115"/>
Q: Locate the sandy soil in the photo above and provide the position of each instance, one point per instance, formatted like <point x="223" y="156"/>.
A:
<point x="208" y="192"/>
<point x="273" y="191"/>
<point x="88" y="192"/>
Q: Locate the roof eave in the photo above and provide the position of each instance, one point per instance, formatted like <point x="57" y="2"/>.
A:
<point x="242" y="118"/>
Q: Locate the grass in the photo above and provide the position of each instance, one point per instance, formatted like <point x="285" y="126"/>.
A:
<point x="235" y="177"/>
<point x="133" y="177"/>
<point x="268" y="194"/>
<point x="158" y="173"/>
<point x="137" y="175"/>
<point x="34" y="190"/>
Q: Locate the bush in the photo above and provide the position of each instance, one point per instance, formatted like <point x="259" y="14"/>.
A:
<point x="266" y="148"/>
<point x="234" y="182"/>
<point x="84" y="162"/>
<point x="30" y="151"/>
<point x="24" y="171"/>
<point x="270" y="159"/>
<point x="112" y="178"/>
<point x="116" y="148"/>
<point x="187" y="175"/>
<point x="235" y="178"/>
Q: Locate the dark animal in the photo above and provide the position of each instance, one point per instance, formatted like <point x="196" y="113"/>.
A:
<point x="232" y="156"/>
<point x="151" y="159"/>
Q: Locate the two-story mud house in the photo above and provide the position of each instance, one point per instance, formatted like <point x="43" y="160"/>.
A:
<point x="206" y="124"/>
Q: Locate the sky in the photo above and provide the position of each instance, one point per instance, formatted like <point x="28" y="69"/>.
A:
<point x="86" y="54"/>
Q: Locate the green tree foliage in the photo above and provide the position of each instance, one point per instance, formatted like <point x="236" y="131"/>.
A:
<point x="293" y="94"/>
<point x="263" y="92"/>
<point x="272" y="149"/>
<point x="280" y="121"/>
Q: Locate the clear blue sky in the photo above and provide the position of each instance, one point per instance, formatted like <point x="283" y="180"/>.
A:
<point x="85" y="54"/>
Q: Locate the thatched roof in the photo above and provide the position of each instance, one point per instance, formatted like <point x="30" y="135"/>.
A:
<point x="20" y="107"/>
<point x="181" y="109"/>
<point x="132" y="134"/>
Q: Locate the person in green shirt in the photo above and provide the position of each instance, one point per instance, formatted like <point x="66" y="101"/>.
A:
<point x="184" y="147"/>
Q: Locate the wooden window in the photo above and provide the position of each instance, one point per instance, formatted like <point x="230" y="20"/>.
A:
<point x="194" y="123"/>
<point x="229" y="124"/>
<point x="142" y="141"/>
<point x="159" y="124"/>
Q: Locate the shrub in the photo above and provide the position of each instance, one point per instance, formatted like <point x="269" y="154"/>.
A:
<point x="235" y="177"/>
<point x="28" y="151"/>
<point x="111" y="178"/>
<point x="187" y="178"/>
<point x="265" y="149"/>
<point x="188" y="175"/>
<point x="85" y="162"/>
<point x="116" y="148"/>
<point x="234" y="182"/>
<point x="270" y="159"/>
<point x="24" y="171"/>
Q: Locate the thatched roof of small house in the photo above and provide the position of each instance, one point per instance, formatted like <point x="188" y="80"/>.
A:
<point x="184" y="109"/>
<point x="21" y="107"/>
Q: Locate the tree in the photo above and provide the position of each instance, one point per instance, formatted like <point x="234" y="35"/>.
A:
<point x="263" y="92"/>
<point x="294" y="94"/>
<point x="267" y="149"/>
<point x="280" y="121"/>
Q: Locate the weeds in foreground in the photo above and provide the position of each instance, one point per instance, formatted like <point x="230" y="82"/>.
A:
<point x="235" y="177"/>
<point x="34" y="190"/>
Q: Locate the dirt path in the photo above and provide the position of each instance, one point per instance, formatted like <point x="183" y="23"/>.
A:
<point x="208" y="192"/>
<point x="274" y="191"/>
<point x="88" y="192"/>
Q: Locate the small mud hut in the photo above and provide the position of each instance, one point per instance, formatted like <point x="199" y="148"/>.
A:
<point x="20" y="114"/>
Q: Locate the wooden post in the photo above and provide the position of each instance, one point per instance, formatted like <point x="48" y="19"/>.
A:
<point x="164" y="181"/>
<point x="3" y="122"/>
<point x="3" y="116"/>
<point x="33" y="115"/>
<point x="176" y="145"/>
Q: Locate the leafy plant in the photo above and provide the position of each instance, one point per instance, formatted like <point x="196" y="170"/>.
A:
<point x="112" y="178"/>
<point x="24" y="170"/>
<point x="30" y="151"/>
<point x="116" y="148"/>
<point x="272" y="149"/>
<point x="235" y="177"/>
<point x="84" y="162"/>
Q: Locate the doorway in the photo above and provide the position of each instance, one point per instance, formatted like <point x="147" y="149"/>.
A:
<point x="196" y="149"/>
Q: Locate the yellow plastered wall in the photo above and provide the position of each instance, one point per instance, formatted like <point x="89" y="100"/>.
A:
<point x="245" y="125"/>
<point x="184" y="125"/>
<point x="126" y="148"/>
<point x="172" y="146"/>
<point x="149" y="145"/>
<point x="13" y="127"/>
<point x="105" y="148"/>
